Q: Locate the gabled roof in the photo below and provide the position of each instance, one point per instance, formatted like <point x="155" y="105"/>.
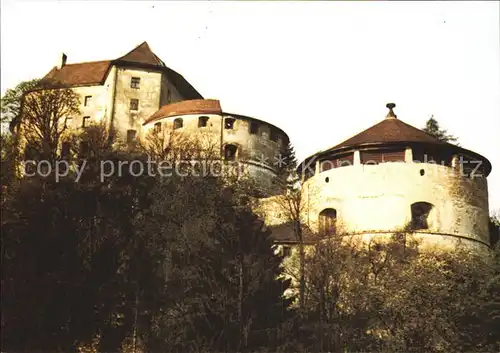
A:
<point x="89" y="73"/>
<point x="94" y="73"/>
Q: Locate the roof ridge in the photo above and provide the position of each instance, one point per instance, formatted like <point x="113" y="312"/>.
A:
<point x="86" y="62"/>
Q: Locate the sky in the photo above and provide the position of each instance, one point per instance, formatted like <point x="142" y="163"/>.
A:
<point x="321" y="71"/>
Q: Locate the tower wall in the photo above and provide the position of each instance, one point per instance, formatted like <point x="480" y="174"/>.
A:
<point x="377" y="199"/>
<point x="256" y="152"/>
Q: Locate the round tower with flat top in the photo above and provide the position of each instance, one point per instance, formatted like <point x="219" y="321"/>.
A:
<point x="394" y="176"/>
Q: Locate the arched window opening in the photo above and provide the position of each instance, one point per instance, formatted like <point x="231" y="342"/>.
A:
<point x="420" y="215"/>
<point x="230" y="152"/>
<point x="229" y="123"/>
<point x="202" y="121"/>
<point x="328" y="221"/>
<point x="178" y="123"/>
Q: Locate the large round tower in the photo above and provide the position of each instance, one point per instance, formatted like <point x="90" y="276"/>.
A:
<point x="252" y="143"/>
<point x="392" y="176"/>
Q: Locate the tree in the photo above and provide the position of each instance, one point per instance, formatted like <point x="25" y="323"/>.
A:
<point x="43" y="117"/>
<point x="432" y="128"/>
<point x="388" y="296"/>
<point x="11" y="102"/>
<point x="222" y="290"/>
<point x="494" y="229"/>
<point x="80" y="274"/>
<point x="291" y="205"/>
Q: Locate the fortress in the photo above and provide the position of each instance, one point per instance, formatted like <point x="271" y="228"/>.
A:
<point x="390" y="176"/>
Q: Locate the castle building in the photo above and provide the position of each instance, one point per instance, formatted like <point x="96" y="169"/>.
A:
<point x="393" y="176"/>
<point x="123" y="92"/>
<point x="390" y="177"/>
<point x="137" y="94"/>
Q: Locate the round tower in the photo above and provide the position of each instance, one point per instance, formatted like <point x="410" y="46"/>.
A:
<point x="252" y="144"/>
<point x="394" y="176"/>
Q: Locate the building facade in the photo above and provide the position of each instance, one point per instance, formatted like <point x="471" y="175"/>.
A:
<point x="123" y="92"/>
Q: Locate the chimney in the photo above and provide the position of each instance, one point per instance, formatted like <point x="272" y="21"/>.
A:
<point x="62" y="62"/>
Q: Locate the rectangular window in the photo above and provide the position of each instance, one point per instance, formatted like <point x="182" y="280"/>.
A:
<point x="67" y="122"/>
<point x="382" y="156"/>
<point x="273" y="135"/>
<point x="178" y="123"/>
<point x="202" y="121"/>
<point x="254" y="127"/>
<point x="85" y="121"/>
<point x="87" y="101"/>
<point x="135" y="82"/>
<point x="157" y="128"/>
<point x="337" y="162"/>
<point x="84" y="149"/>
<point x="65" y="150"/>
<point x="134" y="104"/>
<point x="130" y="135"/>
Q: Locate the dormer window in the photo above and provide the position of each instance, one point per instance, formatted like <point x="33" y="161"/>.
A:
<point x="229" y="123"/>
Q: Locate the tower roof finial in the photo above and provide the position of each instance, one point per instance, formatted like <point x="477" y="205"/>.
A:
<point x="390" y="114"/>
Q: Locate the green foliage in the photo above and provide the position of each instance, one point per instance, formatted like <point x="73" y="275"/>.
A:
<point x="287" y="176"/>
<point x="151" y="263"/>
<point x="388" y="297"/>
<point x="11" y="101"/>
<point x="432" y="128"/>
<point x="494" y="230"/>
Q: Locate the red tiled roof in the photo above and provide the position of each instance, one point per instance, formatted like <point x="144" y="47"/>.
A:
<point x="142" y="54"/>
<point x="80" y="74"/>
<point x="389" y="130"/>
<point x="95" y="72"/>
<point x="393" y="131"/>
<point x="193" y="106"/>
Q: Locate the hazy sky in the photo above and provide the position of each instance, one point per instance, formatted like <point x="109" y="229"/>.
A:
<point x="322" y="71"/>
